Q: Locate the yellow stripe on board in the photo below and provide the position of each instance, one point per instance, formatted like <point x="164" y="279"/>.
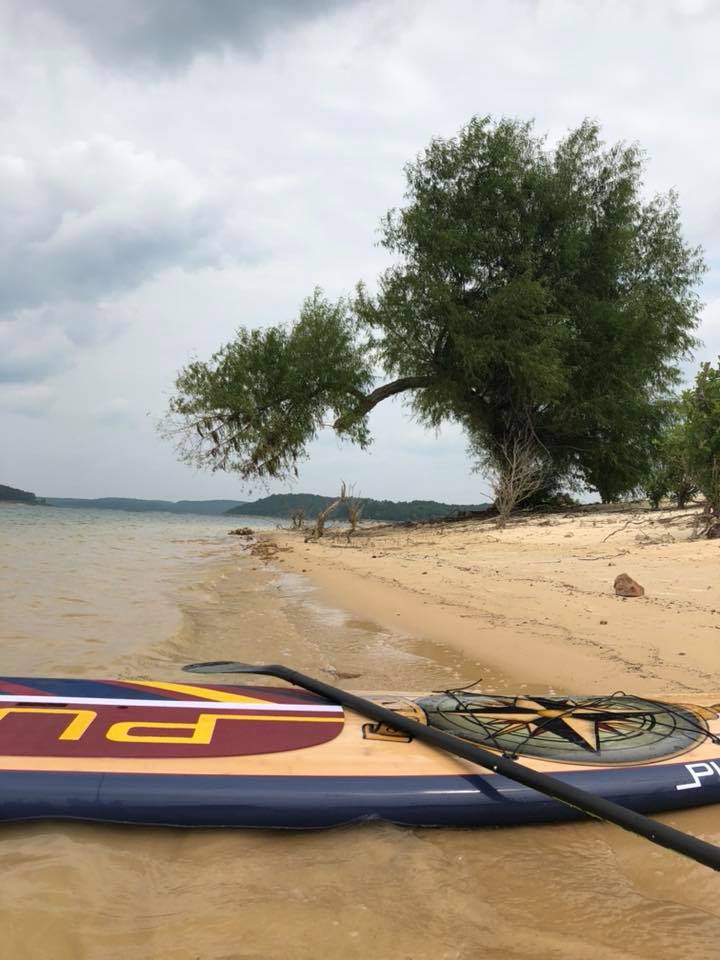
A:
<point x="219" y="696"/>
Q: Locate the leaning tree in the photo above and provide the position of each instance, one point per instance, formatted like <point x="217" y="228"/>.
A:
<point x="534" y="292"/>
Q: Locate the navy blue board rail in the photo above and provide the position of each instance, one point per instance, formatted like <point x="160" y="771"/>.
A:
<point x="301" y="802"/>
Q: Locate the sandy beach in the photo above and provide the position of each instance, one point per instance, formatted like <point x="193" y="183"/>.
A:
<point x="534" y="603"/>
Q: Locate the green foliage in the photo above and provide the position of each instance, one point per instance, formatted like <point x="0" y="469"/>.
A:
<point x="702" y="405"/>
<point x="260" y="399"/>
<point x="533" y="291"/>
<point x="547" y="294"/>
<point x="669" y="472"/>
<point x="286" y="505"/>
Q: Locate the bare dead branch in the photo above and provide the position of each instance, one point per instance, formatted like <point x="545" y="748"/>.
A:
<point x="321" y="519"/>
<point x="354" y="509"/>
<point x="609" y="556"/>
<point x="631" y="522"/>
<point x="517" y="469"/>
<point x="297" y="519"/>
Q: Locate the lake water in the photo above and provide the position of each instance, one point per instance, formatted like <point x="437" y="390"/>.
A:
<point x="106" y="593"/>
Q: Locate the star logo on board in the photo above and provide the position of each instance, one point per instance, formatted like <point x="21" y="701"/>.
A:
<point x="581" y="723"/>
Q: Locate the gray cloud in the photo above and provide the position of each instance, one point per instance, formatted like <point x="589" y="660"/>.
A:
<point x="32" y="400"/>
<point x="29" y="352"/>
<point x="92" y="217"/>
<point x="38" y="343"/>
<point x="170" y="33"/>
<point x="81" y="224"/>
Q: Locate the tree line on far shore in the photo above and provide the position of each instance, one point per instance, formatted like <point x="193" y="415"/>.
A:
<point x="15" y="495"/>
<point x="537" y="297"/>
<point x="307" y="506"/>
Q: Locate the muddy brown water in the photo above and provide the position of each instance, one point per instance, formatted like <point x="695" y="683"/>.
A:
<point x="139" y="596"/>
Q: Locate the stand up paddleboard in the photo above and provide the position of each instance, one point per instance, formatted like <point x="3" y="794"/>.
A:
<point x="186" y="754"/>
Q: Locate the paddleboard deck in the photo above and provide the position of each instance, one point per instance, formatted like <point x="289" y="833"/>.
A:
<point x="186" y="754"/>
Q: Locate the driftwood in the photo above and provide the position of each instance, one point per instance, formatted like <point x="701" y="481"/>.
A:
<point x="609" y="556"/>
<point x="354" y="509"/>
<point x="297" y="519"/>
<point x="321" y="519"/>
<point x="631" y="522"/>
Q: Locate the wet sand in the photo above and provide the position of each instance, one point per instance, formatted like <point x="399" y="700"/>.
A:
<point x="567" y="891"/>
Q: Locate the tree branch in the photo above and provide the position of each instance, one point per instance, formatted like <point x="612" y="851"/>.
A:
<point x="366" y="403"/>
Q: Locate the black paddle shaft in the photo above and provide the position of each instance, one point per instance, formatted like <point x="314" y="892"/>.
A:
<point x="598" y="807"/>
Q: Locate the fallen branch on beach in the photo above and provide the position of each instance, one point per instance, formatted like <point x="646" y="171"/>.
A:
<point x="634" y="523"/>
<point x="677" y="517"/>
<point x="609" y="556"/>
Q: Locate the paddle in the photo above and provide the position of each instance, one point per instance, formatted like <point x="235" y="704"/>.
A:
<point x="665" y="836"/>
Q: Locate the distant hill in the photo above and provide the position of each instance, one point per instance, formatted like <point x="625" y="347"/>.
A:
<point x="284" y="504"/>
<point x="14" y="495"/>
<point x="206" y="508"/>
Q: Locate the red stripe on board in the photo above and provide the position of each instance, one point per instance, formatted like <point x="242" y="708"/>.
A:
<point x="19" y="688"/>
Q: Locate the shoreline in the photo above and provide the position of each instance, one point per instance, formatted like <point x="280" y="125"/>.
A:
<point x="91" y="609"/>
<point x="534" y="603"/>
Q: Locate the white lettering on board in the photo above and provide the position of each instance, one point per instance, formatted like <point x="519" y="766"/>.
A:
<point x="698" y="771"/>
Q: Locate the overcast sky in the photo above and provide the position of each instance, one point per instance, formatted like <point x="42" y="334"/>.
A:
<point x="171" y="169"/>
